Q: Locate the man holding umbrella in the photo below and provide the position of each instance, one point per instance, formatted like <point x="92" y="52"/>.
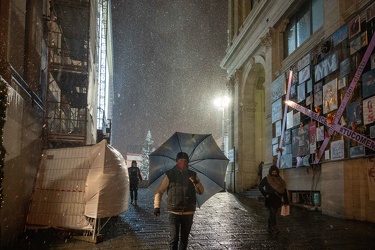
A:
<point x="181" y="185"/>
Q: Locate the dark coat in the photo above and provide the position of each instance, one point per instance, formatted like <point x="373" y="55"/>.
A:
<point x="274" y="198"/>
<point x="134" y="175"/>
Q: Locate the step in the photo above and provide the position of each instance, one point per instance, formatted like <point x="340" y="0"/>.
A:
<point x="253" y="194"/>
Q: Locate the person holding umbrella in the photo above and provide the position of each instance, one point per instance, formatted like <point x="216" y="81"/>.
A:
<point x="273" y="188"/>
<point x="182" y="185"/>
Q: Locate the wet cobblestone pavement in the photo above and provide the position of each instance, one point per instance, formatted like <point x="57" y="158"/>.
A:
<point x="226" y="221"/>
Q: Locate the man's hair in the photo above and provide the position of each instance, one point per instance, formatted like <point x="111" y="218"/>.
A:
<point x="182" y="155"/>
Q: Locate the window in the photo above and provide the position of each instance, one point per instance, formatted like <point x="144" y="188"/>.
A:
<point x="253" y="2"/>
<point x="303" y="24"/>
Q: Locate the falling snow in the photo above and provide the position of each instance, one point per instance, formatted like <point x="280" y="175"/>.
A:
<point x="167" y="71"/>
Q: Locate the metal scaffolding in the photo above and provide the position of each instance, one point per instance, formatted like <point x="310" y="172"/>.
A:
<point x="102" y="85"/>
<point x="66" y="103"/>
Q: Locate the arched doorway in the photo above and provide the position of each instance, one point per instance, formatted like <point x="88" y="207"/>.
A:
<point x="253" y="125"/>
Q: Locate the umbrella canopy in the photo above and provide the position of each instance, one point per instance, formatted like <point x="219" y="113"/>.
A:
<point x="205" y="158"/>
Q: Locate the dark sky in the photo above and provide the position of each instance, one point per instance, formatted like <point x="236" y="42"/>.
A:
<point x="167" y="71"/>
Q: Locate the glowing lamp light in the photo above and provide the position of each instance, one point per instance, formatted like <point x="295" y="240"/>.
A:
<point x="221" y="102"/>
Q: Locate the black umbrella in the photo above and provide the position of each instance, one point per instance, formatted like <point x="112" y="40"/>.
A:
<point x="205" y="158"/>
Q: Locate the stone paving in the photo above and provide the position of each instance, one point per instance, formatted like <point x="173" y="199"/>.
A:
<point x="226" y="221"/>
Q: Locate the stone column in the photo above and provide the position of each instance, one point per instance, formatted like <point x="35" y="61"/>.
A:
<point x="233" y="89"/>
<point x="267" y="42"/>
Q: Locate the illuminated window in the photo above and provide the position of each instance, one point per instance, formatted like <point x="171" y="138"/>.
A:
<point x="307" y="20"/>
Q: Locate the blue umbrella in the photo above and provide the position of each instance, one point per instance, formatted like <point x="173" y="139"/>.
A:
<point x="205" y="158"/>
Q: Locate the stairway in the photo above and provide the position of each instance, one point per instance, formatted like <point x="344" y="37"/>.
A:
<point x="254" y="193"/>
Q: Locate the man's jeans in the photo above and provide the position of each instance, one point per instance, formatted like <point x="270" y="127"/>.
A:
<point x="179" y="223"/>
<point x="133" y="192"/>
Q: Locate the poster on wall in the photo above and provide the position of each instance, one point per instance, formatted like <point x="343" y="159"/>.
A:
<point x="369" y="110"/>
<point x="355" y="45"/>
<point x="301" y="92"/>
<point x="326" y="154"/>
<point x="277" y="111"/>
<point x="278" y="128"/>
<point x="354" y="26"/>
<point x="286" y="161"/>
<point x="303" y="161"/>
<point x="372" y="132"/>
<point x="357" y="151"/>
<point x="287" y="149"/>
<point x="353" y="112"/>
<point x="368" y="84"/>
<point x="296" y="118"/>
<point x="370" y="12"/>
<point x="345" y="67"/>
<point x="318" y="98"/>
<point x="287" y="137"/>
<point x="340" y="35"/>
<point x="341" y="83"/>
<point x="300" y="141"/>
<point x="295" y="74"/>
<point x="293" y="93"/>
<point x="304" y="74"/>
<point x="289" y="120"/>
<point x="318" y="87"/>
<point x="303" y="62"/>
<point x="330" y="96"/>
<point x="327" y="66"/>
<point x="278" y="87"/>
<point x="309" y="86"/>
<point x="337" y="150"/>
<point x="309" y="100"/>
<point x="320" y="133"/>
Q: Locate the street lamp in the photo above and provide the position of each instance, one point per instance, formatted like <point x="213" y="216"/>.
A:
<point x="222" y="102"/>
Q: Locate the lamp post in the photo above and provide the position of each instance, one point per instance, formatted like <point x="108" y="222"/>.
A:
<point x="222" y="102"/>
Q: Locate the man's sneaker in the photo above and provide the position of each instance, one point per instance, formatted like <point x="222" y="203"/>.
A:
<point x="135" y="203"/>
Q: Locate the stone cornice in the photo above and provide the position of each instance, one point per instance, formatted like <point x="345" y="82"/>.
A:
<point x="257" y="25"/>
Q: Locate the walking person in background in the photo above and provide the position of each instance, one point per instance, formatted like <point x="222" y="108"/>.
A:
<point x="260" y="170"/>
<point x="273" y="188"/>
<point x="134" y="177"/>
<point x="182" y="185"/>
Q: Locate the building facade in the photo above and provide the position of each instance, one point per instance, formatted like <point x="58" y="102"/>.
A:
<point x="56" y="84"/>
<point x="317" y="56"/>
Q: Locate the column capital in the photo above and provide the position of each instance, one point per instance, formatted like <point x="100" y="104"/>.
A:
<point x="236" y="76"/>
<point x="268" y="38"/>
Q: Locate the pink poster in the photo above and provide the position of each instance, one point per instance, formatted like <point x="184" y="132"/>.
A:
<point x="369" y="110"/>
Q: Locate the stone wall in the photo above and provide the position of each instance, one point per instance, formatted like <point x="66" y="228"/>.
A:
<point x="22" y="141"/>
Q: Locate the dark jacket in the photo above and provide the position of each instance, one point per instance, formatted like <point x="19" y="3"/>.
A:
<point x="274" y="198"/>
<point x="134" y="176"/>
<point x="181" y="191"/>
